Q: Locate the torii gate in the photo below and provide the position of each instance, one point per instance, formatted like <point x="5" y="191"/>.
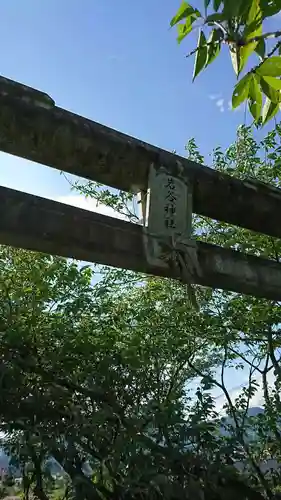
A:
<point x="32" y="127"/>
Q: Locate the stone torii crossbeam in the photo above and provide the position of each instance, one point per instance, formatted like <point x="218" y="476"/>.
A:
<point x="32" y="127"/>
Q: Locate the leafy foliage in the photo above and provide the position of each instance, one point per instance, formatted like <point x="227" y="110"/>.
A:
<point x="239" y="25"/>
<point x="93" y="373"/>
<point x="247" y="328"/>
<point x="112" y="375"/>
<point x="247" y="342"/>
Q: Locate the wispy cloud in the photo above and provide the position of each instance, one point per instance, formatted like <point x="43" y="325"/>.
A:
<point x="214" y="97"/>
<point x="223" y="104"/>
<point x="256" y="400"/>
<point x="220" y="103"/>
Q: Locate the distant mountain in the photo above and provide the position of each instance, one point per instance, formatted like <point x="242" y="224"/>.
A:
<point x="228" y="421"/>
<point x="255" y="410"/>
<point x="4" y="460"/>
<point x="56" y="468"/>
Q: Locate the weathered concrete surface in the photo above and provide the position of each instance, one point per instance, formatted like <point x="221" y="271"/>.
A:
<point x="63" y="140"/>
<point x="38" y="224"/>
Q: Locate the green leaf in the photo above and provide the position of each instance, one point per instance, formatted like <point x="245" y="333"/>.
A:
<point x="270" y="8"/>
<point x="244" y="8"/>
<point x="235" y="58"/>
<point x="275" y="83"/>
<point x="184" y="30"/>
<point x="260" y="48"/>
<point x="241" y="90"/>
<point x="206" y="3"/>
<point x="213" y="46"/>
<point x="255" y="109"/>
<point x="270" y="67"/>
<point x="84" y="268"/>
<point x="269" y="110"/>
<point x="215" y="17"/>
<point x="255" y="91"/>
<point x="253" y="29"/>
<point x="253" y="21"/>
<point x="255" y="97"/>
<point x="232" y="8"/>
<point x="245" y="52"/>
<point x="184" y="11"/>
<point x="217" y="4"/>
<point x="201" y="55"/>
<point x="272" y="94"/>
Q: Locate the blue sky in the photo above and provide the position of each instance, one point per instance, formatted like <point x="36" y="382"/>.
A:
<point x="118" y="63"/>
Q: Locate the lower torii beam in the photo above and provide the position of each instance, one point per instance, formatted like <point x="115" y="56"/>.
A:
<point x="47" y="226"/>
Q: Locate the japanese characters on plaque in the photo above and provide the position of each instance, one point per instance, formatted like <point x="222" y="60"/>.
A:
<point x="169" y="205"/>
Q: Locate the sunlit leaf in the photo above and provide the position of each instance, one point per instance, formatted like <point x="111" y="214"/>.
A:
<point x="213" y="46"/>
<point x="270" y="109"/>
<point x="253" y="22"/>
<point x="270" y="67"/>
<point x="269" y="91"/>
<point x="255" y="109"/>
<point x="235" y="57"/>
<point x="241" y="90"/>
<point x="253" y="29"/>
<point x="201" y="55"/>
<point x="254" y="89"/>
<point x="184" y="11"/>
<point x="184" y="30"/>
<point x="244" y="54"/>
<point x="275" y="83"/>
<point x="255" y="97"/>
<point x="261" y="48"/>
